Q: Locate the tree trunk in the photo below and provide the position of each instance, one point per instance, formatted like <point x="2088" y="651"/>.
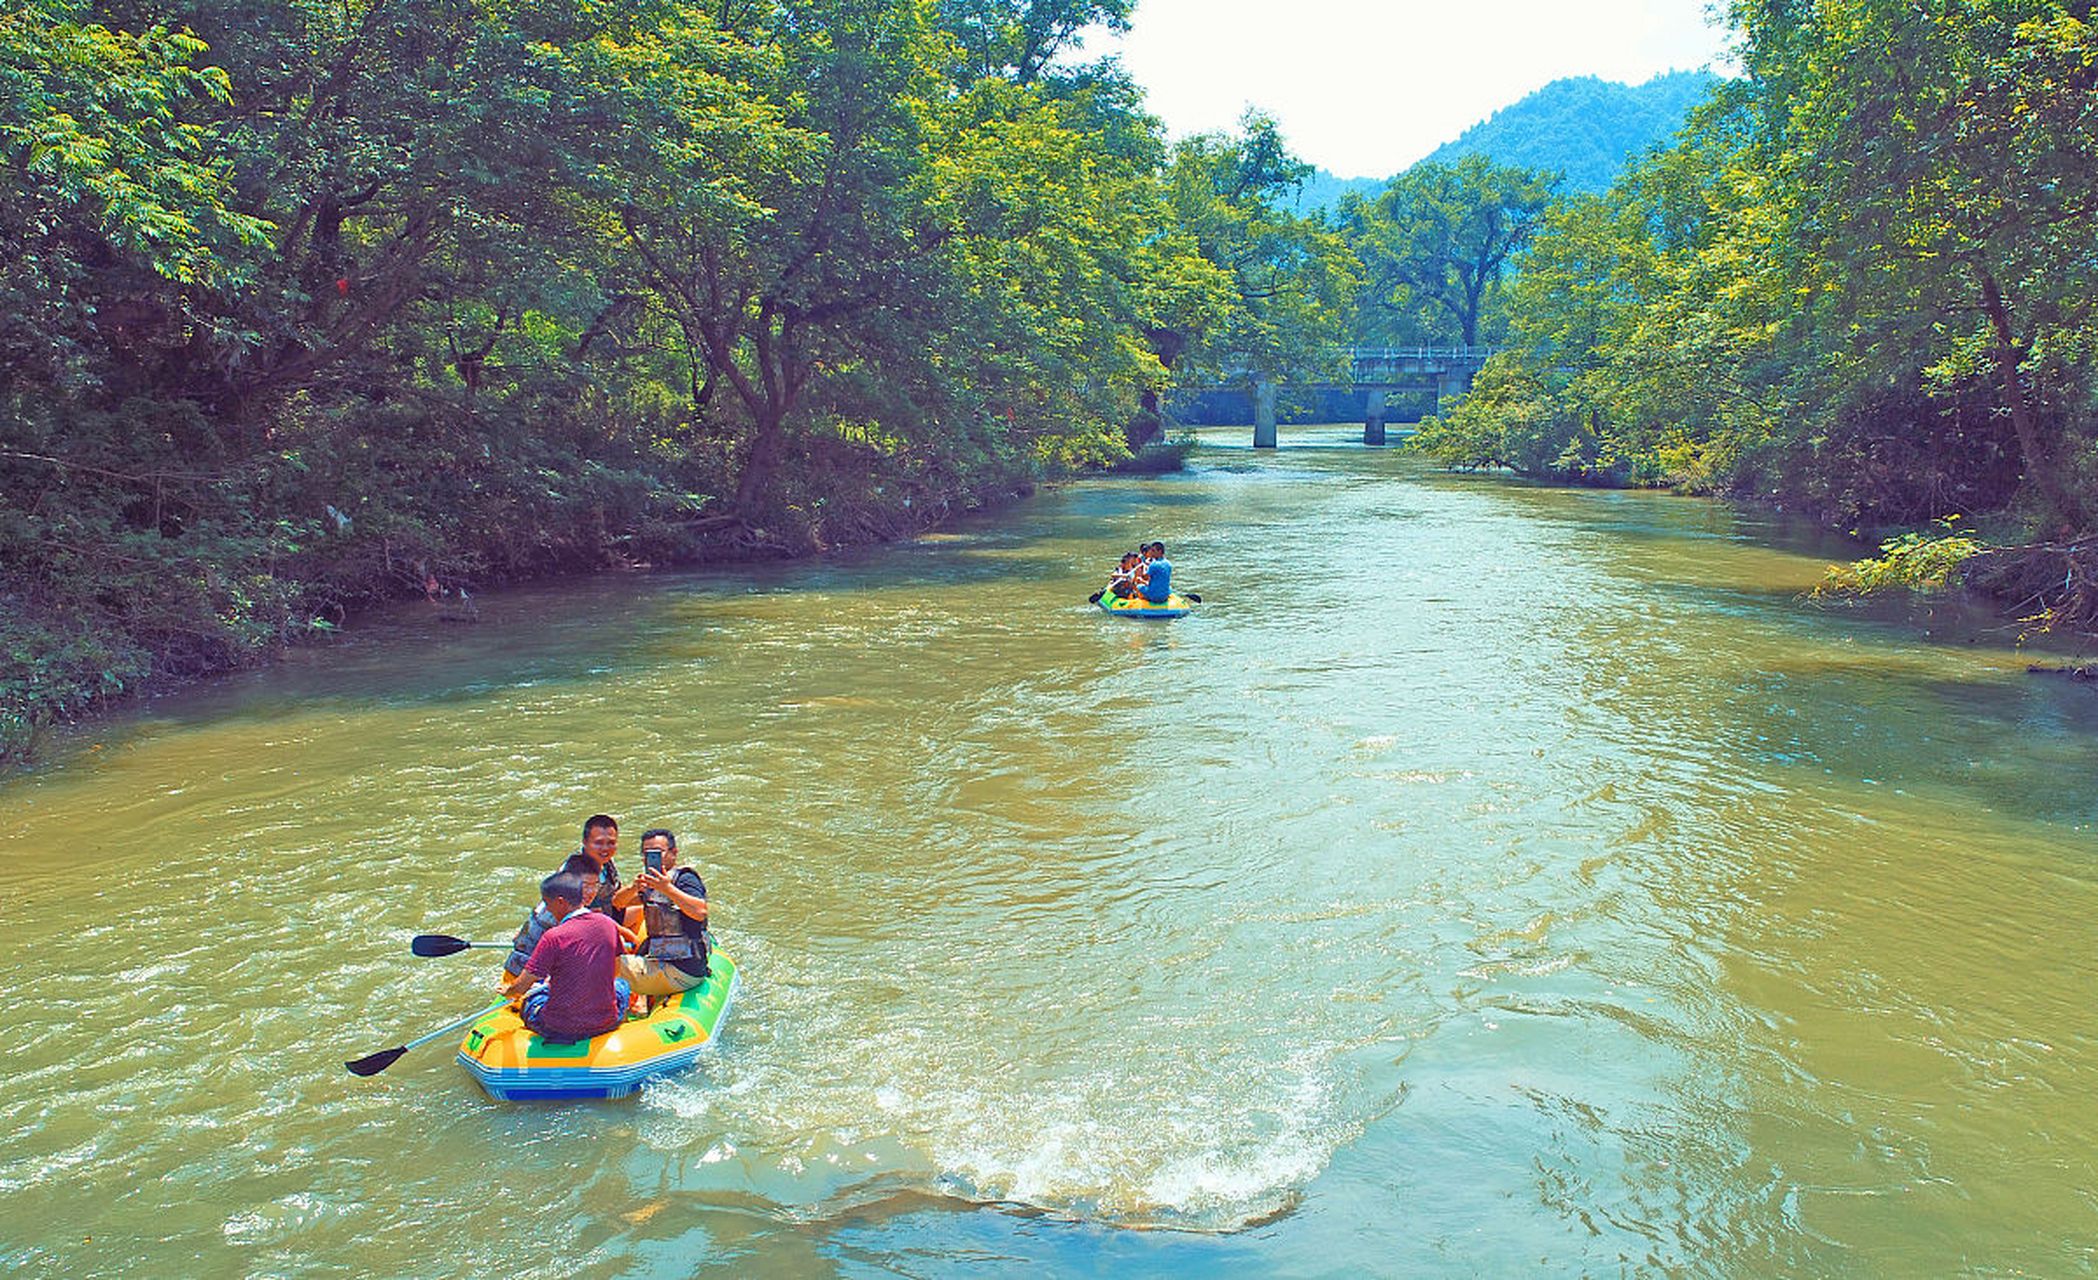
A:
<point x="768" y="444"/>
<point x="1147" y="425"/>
<point x="2040" y="469"/>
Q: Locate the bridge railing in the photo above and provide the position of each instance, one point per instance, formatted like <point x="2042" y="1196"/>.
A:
<point x="1362" y="355"/>
<point x="1450" y="359"/>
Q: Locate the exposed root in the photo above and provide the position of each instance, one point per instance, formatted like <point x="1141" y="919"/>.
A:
<point x="2088" y="671"/>
<point x="2057" y="581"/>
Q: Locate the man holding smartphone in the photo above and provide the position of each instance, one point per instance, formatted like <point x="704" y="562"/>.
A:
<point x="673" y="903"/>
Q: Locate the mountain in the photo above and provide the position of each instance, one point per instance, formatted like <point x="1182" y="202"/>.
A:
<point x="1323" y="190"/>
<point x="1585" y="128"/>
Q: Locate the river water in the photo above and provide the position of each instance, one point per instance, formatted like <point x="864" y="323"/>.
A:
<point x="1486" y="879"/>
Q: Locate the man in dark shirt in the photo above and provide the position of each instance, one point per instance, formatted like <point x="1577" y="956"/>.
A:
<point x="571" y="985"/>
<point x="601" y="842"/>
<point x="673" y="903"/>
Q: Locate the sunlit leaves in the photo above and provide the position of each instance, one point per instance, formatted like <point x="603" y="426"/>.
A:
<point x="1858" y="283"/>
<point x="1436" y="242"/>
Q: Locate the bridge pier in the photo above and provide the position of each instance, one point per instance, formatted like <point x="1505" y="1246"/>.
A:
<point x="1448" y="386"/>
<point x="1263" y="413"/>
<point x="1373" y="424"/>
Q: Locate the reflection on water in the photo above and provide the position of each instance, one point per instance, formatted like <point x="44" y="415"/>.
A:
<point x="1486" y="878"/>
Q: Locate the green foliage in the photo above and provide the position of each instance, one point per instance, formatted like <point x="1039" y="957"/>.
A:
<point x="1859" y="285"/>
<point x="1584" y="129"/>
<point x="1509" y="419"/>
<point x="1321" y="191"/>
<point x="1435" y="245"/>
<point x="308" y="304"/>
<point x="1159" y="457"/>
<point x="1913" y="561"/>
<point x="1269" y="289"/>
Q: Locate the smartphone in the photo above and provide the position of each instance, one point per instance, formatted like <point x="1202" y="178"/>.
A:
<point x="652" y="859"/>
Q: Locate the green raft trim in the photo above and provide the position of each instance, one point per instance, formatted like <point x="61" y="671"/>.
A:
<point x="698" y="1009"/>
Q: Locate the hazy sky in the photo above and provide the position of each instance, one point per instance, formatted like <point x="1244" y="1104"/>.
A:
<point x="1366" y="88"/>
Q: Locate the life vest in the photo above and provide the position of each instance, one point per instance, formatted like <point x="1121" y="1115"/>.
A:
<point x="539" y="922"/>
<point x="607" y="885"/>
<point x="672" y="935"/>
<point x="534" y="928"/>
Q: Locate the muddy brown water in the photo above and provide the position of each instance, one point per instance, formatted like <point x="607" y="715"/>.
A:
<point x="1487" y="879"/>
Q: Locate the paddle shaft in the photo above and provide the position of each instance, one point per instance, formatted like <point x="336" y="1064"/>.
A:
<point x="373" y="1064"/>
<point x="460" y="1025"/>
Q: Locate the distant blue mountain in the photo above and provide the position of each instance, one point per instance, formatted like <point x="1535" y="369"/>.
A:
<point x="1323" y="190"/>
<point x="1584" y="128"/>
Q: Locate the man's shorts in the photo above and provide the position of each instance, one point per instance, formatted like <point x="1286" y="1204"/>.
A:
<point x="655" y="977"/>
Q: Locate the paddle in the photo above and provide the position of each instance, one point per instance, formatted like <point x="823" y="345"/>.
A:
<point x="377" y="1062"/>
<point x="443" y="944"/>
<point x="1091" y="599"/>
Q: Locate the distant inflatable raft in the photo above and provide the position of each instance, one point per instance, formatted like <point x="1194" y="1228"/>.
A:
<point x="1176" y="606"/>
<point x="513" y="1063"/>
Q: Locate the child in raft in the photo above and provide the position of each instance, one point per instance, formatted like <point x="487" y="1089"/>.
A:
<point x="1127" y="577"/>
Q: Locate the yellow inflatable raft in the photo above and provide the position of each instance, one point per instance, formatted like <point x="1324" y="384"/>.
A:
<point x="1174" y="606"/>
<point x="514" y="1063"/>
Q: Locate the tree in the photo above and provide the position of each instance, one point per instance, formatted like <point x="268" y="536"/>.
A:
<point x="1945" y="157"/>
<point x="1440" y="237"/>
<point x="1272" y="302"/>
<point x="113" y="210"/>
<point x="1021" y="39"/>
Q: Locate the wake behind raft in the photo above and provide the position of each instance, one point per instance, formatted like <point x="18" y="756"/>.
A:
<point x="516" y="1064"/>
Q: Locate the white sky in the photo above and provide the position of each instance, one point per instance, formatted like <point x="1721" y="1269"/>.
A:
<point x="1365" y="89"/>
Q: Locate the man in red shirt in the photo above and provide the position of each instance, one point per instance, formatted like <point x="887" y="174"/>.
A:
<point x="571" y="984"/>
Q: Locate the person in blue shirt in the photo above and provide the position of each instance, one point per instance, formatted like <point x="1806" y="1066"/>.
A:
<point x="1158" y="573"/>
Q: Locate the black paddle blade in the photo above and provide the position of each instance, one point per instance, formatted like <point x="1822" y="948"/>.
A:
<point x="437" y="944"/>
<point x="1192" y="596"/>
<point x="1095" y="597"/>
<point x="376" y="1063"/>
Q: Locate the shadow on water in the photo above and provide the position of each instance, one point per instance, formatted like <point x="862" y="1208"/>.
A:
<point x="570" y="632"/>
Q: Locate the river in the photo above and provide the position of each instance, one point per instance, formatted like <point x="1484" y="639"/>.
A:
<point x="1487" y="879"/>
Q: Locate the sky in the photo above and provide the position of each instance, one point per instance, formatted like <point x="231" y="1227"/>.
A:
<point x="1364" y="88"/>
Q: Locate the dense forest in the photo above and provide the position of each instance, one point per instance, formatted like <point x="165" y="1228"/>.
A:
<point x="306" y="304"/>
<point x="1861" y="286"/>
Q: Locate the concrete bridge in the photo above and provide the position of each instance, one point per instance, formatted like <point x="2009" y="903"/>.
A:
<point x="1444" y="372"/>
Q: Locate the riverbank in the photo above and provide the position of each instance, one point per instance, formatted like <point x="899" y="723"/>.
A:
<point x="2048" y="588"/>
<point x="77" y="678"/>
<point x="163" y="616"/>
